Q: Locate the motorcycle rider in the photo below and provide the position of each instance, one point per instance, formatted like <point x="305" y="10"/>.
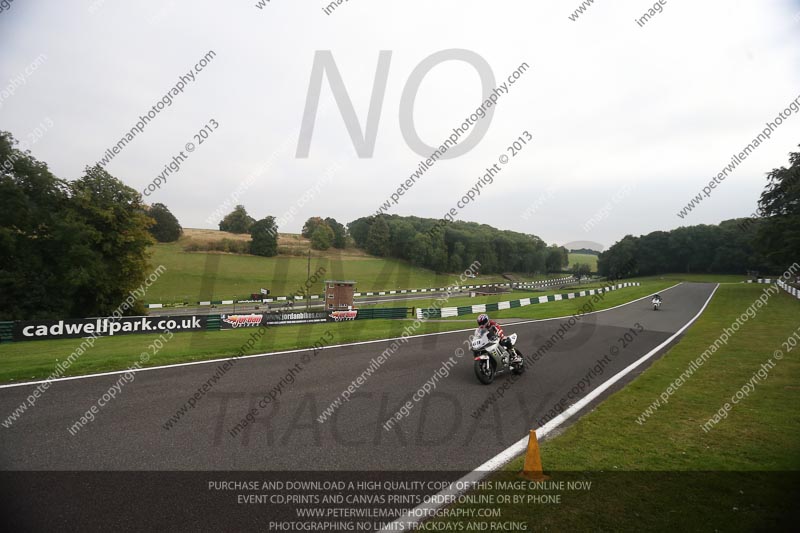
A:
<point x="494" y="330"/>
<point x="657" y="297"/>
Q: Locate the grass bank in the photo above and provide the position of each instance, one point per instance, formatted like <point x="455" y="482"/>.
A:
<point x="588" y="259"/>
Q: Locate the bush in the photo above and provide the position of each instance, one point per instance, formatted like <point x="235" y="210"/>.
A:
<point x="293" y="251"/>
<point x="322" y="238"/>
<point x="237" y="221"/>
<point x="264" y="234"/>
<point x="230" y="246"/>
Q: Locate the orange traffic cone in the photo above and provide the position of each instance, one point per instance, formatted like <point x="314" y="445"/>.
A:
<point x="532" y="469"/>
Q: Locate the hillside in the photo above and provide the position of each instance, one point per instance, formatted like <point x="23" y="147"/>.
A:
<point x="289" y="244"/>
<point x="589" y="259"/>
<point x="195" y="276"/>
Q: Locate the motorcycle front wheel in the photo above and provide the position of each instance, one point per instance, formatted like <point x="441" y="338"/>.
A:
<point x="485" y="370"/>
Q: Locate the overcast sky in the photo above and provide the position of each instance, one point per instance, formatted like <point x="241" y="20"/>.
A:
<point x="629" y="122"/>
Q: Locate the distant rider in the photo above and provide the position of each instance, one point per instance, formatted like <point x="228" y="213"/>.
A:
<point x="494" y="330"/>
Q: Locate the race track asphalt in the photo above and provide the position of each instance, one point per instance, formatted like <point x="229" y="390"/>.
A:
<point x="439" y="433"/>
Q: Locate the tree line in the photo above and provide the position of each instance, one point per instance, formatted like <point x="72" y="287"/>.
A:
<point x="426" y="243"/>
<point x="67" y="248"/>
<point x="767" y="242"/>
<point x="423" y="242"/>
<point x="323" y="233"/>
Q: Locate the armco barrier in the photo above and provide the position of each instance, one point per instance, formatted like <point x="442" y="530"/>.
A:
<point x="794" y="291"/>
<point x="432" y="289"/>
<point x="522" y="285"/>
<point x="446" y="312"/>
<point x="544" y="283"/>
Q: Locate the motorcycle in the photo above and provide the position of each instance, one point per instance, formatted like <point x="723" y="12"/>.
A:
<point x="656" y="303"/>
<point x="492" y="358"/>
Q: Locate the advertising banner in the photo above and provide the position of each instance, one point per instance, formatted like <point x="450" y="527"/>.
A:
<point x="28" y="330"/>
<point x="270" y="319"/>
<point x="340" y="316"/>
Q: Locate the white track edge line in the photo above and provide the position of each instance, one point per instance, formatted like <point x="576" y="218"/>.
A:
<point x="253" y="356"/>
<point x="504" y="457"/>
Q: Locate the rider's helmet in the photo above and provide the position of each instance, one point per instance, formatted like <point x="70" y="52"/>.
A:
<point x="483" y="319"/>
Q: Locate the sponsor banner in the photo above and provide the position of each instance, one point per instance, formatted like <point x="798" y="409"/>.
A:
<point x="339" y="316"/>
<point x="27" y="330"/>
<point x="238" y="321"/>
<point x="270" y="319"/>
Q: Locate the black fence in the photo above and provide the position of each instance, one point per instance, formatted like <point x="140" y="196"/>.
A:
<point x="385" y="312"/>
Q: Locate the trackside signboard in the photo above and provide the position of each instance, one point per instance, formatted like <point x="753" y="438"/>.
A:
<point x="269" y="319"/>
<point x="28" y="330"/>
<point x="341" y="316"/>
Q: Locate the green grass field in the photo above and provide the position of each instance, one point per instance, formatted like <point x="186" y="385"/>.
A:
<point x="648" y="476"/>
<point x="195" y="276"/>
<point x="199" y="276"/>
<point x="589" y="259"/>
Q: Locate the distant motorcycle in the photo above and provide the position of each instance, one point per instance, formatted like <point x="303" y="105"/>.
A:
<point x="492" y="358"/>
<point x="656" y="303"/>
